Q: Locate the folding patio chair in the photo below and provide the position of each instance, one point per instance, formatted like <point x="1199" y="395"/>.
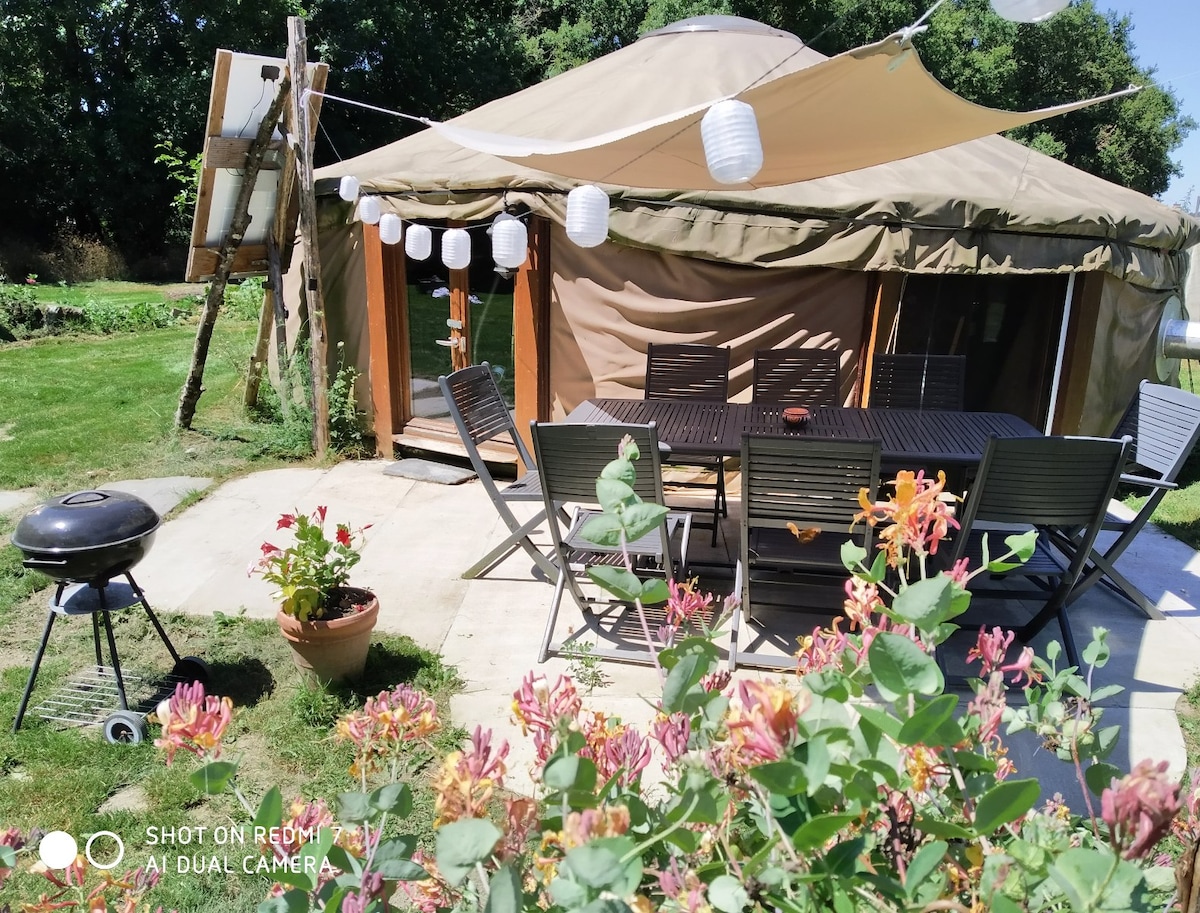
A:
<point x="480" y="413"/>
<point x="1059" y="486"/>
<point x="918" y="382"/>
<point x="811" y="486"/>
<point x="802" y="377"/>
<point x="1164" y="423"/>
<point x="700" y="373"/>
<point x="570" y="458"/>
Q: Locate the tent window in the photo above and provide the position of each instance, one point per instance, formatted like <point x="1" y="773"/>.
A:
<point x="1007" y="326"/>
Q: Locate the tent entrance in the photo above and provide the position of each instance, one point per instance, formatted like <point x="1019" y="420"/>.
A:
<point x="1006" y="326"/>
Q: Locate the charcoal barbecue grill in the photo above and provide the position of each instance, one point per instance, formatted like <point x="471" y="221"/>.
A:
<point x="84" y="541"/>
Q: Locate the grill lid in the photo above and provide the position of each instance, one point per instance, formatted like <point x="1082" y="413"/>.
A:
<point x="85" y="520"/>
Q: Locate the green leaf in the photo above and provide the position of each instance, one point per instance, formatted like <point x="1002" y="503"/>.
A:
<point x="213" y="777"/>
<point x="400" y="870"/>
<point x="818" y="761"/>
<point x="1084" y="877"/>
<point x="727" y="894"/>
<point x="818" y="830"/>
<point x="312" y="854"/>
<point x="1097" y="652"/>
<point x="922" y="727"/>
<point x="354" y="808"/>
<point x="641" y="519"/>
<point x="293" y="901"/>
<point x="925" y="603"/>
<point x="603" y="529"/>
<point x="937" y="827"/>
<point x="461" y="844"/>
<point x="570" y="895"/>
<point x="1003" y="904"/>
<point x="880" y="719"/>
<point x="622" y="467"/>
<point x="783" y="778"/>
<point x="8" y="856"/>
<point x="655" y="591"/>
<point x="340" y="859"/>
<point x="1020" y="549"/>
<point x="395" y="798"/>
<point x="1099" y="776"/>
<point x="899" y="667"/>
<point x="617" y="580"/>
<point x="685" y="675"/>
<point x="613" y="493"/>
<point x="594" y="865"/>
<point x="853" y="555"/>
<point x="1005" y="802"/>
<point x="270" y="810"/>
<point x="567" y="772"/>
<point x="927" y="861"/>
<point x="504" y="891"/>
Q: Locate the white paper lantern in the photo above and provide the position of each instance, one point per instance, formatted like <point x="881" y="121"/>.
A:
<point x="390" y="228"/>
<point x="456" y="248"/>
<point x="1029" y="10"/>
<point x="587" y="215"/>
<point x="510" y="241"/>
<point x="418" y="242"/>
<point x="732" y="147"/>
<point x="348" y="188"/>
<point x="368" y="210"/>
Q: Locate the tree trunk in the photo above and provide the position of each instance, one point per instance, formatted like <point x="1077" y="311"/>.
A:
<point x="216" y="291"/>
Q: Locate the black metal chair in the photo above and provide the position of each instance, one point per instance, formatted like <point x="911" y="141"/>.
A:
<point x="571" y="458"/>
<point x="1164" y="423"/>
<point x="1060" y="486"/>
<point x="803" y="377"/>
<point x="811" y="484"/>
<point x="918" y="382"/>
<point x="700" y="373"/>
<point x="480" y="414"/>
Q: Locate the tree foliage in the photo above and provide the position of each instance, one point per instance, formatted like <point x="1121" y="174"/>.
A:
<point x="92" y="92"/>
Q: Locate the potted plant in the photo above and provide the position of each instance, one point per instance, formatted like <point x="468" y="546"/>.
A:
<point x="327" y="623"/>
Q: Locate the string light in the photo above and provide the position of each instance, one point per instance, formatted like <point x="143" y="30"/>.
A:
<point x="368" y="210"/>
<point x="510" y="242"/>
<point x="587" y="215"/>
<point x="390" y="228"/>
<point x="456" y="248"/>
<point x="348" y="188"/>
<point x="418" y="243"/>
<point x="732" y="147"/>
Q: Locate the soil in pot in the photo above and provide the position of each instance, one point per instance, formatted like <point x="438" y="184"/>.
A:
<point x="333" y="649"/>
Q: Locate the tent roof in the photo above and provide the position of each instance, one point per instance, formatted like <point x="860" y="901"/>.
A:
<point x="975" y="206"/>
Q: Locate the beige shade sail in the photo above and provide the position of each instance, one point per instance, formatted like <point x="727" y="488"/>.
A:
<point x="865" y="107"/>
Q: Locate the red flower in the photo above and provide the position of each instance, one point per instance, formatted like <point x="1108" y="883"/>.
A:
<point x="287" y="521"/>
<point x="343" y="534"/>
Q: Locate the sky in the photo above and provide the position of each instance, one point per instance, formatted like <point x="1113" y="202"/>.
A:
<point x="1164" y="37"/>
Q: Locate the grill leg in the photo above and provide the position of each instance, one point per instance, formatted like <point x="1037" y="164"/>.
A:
<point x="153" y="618"/>
<point x="33" y="673"/>
<point x="112" y="649"/>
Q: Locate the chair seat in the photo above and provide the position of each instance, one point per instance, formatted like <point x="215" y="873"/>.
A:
<point x="649" y="545"/>
<point x="526" y="488"/>
<point x="1044" y="562"/>
<point x="780" y="548"/>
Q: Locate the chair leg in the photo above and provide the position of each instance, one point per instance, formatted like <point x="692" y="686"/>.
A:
<point x="1103" y="571"/>
<point x="552" y="619"/>
<point x="518" y="538"/>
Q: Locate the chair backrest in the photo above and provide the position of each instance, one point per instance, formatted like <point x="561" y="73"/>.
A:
<point x="687" y="371"/>
<point x="811" y="482"/>
<point x="806" y="377"/>
<point x="1044" y="481"/>
<point x="480" y="413"/>
<point x="918" y="381"/>
<point x="571" y="456"/>
<point x="1164" y="423"/>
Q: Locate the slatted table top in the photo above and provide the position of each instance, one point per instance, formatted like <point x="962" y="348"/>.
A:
<point x="716" y="428"/>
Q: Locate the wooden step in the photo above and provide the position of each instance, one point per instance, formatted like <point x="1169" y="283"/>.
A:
<point x="439" y="437"/>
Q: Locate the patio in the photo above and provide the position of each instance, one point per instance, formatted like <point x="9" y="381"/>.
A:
<point x="424" y="534"/>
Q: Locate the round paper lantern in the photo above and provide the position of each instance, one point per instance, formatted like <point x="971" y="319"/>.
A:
<point x="509" y="242"/>
<point x="587" y="215"/>
<point x="418" y="242"/>
<point x="390" y="228"/>
<point x="732" y="148"/>
<point x="348" y="188"/>
<point x="456" y="248"/>
<point x="368" y="210"/>
<point x="1029" y="10"/>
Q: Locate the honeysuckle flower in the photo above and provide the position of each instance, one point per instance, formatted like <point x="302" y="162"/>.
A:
<point x="862" y="599"/>
<point x="387" y="721"/>
<point x="762" y="725"/>
<point x="469" y="777"/>
<point x="672" y="733"/>
<point x="991" y="648"/>
<point x="988" y="706"/>
<point x="541" y="709"/>
<point x="686" y="602"/>
<point x="1139" y="808"/>
<point x="617" y="749"/>
<point x="430" y="894"/>
<point x="916" y="516"/>
<point x="193" y="721"/>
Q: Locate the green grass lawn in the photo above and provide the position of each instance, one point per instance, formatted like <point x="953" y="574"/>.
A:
<point x="491" y="331"/>
<point x="112" y="292"/>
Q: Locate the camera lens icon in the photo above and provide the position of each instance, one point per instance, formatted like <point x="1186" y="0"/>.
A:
<point x="58" y="849"/>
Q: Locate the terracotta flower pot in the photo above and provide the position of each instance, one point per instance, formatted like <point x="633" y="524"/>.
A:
<point x="332" y="650"/>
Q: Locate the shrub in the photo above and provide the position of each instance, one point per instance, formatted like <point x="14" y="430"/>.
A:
<point x="244" y="300"/>
<point x="78" y="258"/>
<point x="103" y="317"/>
<point x="20" y="314"/>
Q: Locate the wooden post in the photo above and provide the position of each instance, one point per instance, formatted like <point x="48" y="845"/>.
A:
<point x="387" y="324"/>
<point x="298" y="64"/>
<point x="192" y="387"/>
<point x="460" y="311"/>
<point x="531" y="330"/>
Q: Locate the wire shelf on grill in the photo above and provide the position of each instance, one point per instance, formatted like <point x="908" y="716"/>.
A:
<point x="92" y="695"/>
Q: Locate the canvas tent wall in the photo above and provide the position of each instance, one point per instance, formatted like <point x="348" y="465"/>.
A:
<point x="806" y="263"/>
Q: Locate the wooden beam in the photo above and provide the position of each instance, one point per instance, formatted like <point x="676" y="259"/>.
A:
<point x="298" y="66"/>
<point x="531" y="330"/>
<point x="249" y="258"/>
<point x="230" y="152"/>
<point x="387" y="326"/>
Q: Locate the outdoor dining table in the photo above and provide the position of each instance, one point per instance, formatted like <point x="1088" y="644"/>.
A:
<point x="920" y="438"/>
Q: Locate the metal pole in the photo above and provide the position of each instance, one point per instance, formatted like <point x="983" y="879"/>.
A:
<point x="1062" y="351"/>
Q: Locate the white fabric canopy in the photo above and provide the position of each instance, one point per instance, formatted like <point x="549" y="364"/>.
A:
<point x="865" y="107"/>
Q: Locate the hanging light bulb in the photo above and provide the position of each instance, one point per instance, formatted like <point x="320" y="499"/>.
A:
<point x="456" y="248"/>
<point x="368" y="210"/>
<point x="1029" y="10"/>
<point x="390" y="228"/>
<point x="732" y="148"/>
<point x="348" y="188"/>
<point x="510" y="241"/>
<point x="418" y="242"/>
<point x="587" y="215"/>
